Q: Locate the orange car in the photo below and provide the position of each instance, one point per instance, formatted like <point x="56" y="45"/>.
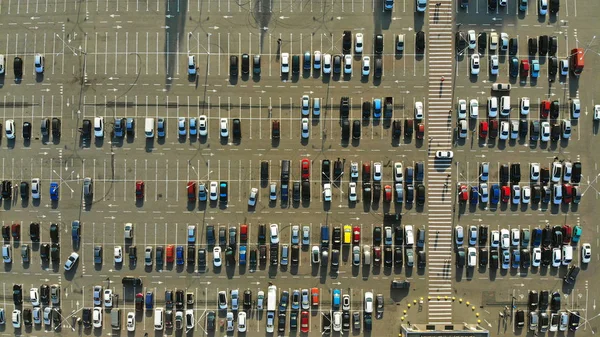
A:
<point x="314" y="294"/>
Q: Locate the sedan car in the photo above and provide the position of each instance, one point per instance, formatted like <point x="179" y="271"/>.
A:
<point x="352" y="196"/>
<point x="305" y="128"/>
<point x="586" y="253"/>
<point x="444" y="154"/>
<point x="253" y="196"/>
<point x="472" y="39"/>
<point x="181" y="126"/>
<point x="494" y="65"/>
<point x="347" y="64"/>
<point x="71" y="261"/>
<point x="217" y="261"/>
<point x="203" y="125"/>
<point x="224" y="129"/>
<point x="366" y="65"/>
<point x="475" y="64"/>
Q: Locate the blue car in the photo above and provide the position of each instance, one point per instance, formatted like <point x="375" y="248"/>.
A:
<point x="54" y="191"/>
<point x="193" y="127"/>
<point x="120" y="127"/>
<point x="223" y="191"/>
<point x="536" y="234"/>
<point x="75" y="230"/>
<point x="202" y="195"/>
<point x="179" y="255"/>
<point x="337" y="297"/>
<point x="130" y="126"/>
<point x="514" y="67"/>
<point x="535" y="68"/>
<point x="161" y="126"/>
<point x="149" y="300"/>
<point x="377" y="108"/>
<point x="516" y="260"/>
<point x="495" y="195"/>
<point x="242" y="255"/>
<point x="474" y="195"/>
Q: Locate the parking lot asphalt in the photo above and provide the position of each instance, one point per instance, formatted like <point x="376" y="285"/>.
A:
<point x="129" y="59"/>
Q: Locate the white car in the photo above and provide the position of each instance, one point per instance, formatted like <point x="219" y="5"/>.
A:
<point x="503" y="36"/>
<point x="191" y="65"/>
<point x="241" y="321"/>
<point x="556" y="257"/>
<point x="108" y="298"/>
<point x="47" y="316"/>
<point x="354" y="170"/>
<point x="535" y="171"/>
<point x="274" y="230"/>
<point x="213" y="194"/>
<point x="229" y="321"/>
<point x="459" y="235"/>
<point x="34" y="297"/>
<point x="545" y="134"/>
<point x="514" y="129"/>
<point x="305" y="104"/>
<point x="347" y="64"/>
<point x="358" y="43"/>
<point x="492" y="106"/>
<point x="444" y="154"/>
<point x="494" y="64"/>
<point x="131" y="321"/>
<point x="597" y="112"/>
<point x="567" y="171"/>
<point x="504" y="130"/>
<point x="97" y="317"/>
<point x="203" y="125"/>
<point x="366" y="65"/>
<point x="536" y="257"/>
<point x="305" y="128"/>
<point x="495" y="239"/>
<point x="504" y="238"/>
<point x="515" y="237"/>
<point x="472" y="39"/>
<point x="327" y="192"/>
<point x="421" y="5"/>
<point x="543" y="7"/>
<point x="37" y="315"/>
<point x="337" y="321"/>
<point x="317" y="60"/>
<point x="566" y="129"/>
<point x="253" y="196"/>
<point x="505" y="259"/>
<point x="493" y="41"/>
<point x="352" y="192"/>
<point x="586" y="253"/>
<point x="98" y="127"/>
<point x="71" y="261"/>
<point x="398" y="175"/>
<point x="377" y="171"/>
<point x="16" y="318"/>
<point x="471" y="257"/>
<point x="472" y="235"/>
<point x="217" y="262"/>
<point x="473" y="108"/>
<point x="189" y="319"/>
<point x="462" y="109"/>
<point x="270" y="322"/>
<point x="525" y="106"/>
<point x="516" y="194"/>
<point x="575" y="108"/>
<point x="419" y="110"/>
<point x="2" y="67"/>
<point x="38" y="63"/>
<point x="475" y="64"/>
<point x="118" y="252"/>
<point x="285" y="63"/>
<point x="181" y="126"/>
<point x="224" y="129"/>
<point x="484" y="192"/>
<point x="35" y="188"/>
<point x="273" y="191"/>
<point x="564" y="67"/>
<point x="326" y="64"/>
<point x="10" y="129"/>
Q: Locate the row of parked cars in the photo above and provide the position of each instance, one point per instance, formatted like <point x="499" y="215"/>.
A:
<point x="45" y="309"/>
<point x="538" y="315"/>
<point x="47" y="127"/>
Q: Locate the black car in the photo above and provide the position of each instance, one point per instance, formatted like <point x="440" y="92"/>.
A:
<point x="245" y="64"/>
<point x="86" y="129"/>
<point x="421" y="259"/>
<point x="514" y="67"/>
<point x="55" y="252"/>
<point x="525" y="258"/>
<point x="337" y="64"/>
<point x="45" y="252"/>
<point x="552" y="67"/>
<point x="543" y="44"/>
<point x="34" y="231"/>
<point x="247" y="299"/>
<point x="237" y="128"/>
<point x="534" y="130"/>
<point x="179" y="298"/>
<point x="86" y="317"/>
<point x="554" y="6"/>
<point x="420" y="194"/>
<point x="574" y="320"/>
<point x="533" y="300"/>
<point x="409" y="194"/>
<point x="54" y="232"/>
<point x="368" y="320"/>
<point x="515" y="173"/>
<point x="483" y="235"/>
<point x="44" y="293"/>
<point x="576" y="172"/>
<point x="274" y="254"/>
<point x="555" y="132"/>
<point x="378" y="68"/>
<point x="483" y="256"/>
<point x="536" y="194"/>
<point x="233" y="65"/>
<point x="513" y="46"/>
<point x="532" y="45"/>
<point x="555" y="302"/>
<point x="494" y="259"/>
<point x="552" y="45"/>
<point x="347" y="42"/>
<point x="18" y="67"/>
<point x="345" y="320"/>
<point x="281" y="322"/>
<point x="337" y="237"/>
<point x="482" y="42"/>
<point x="398" y="256"/>
<point x="554" y="109"/>
<point x="378" y="44"/>
<point x="420" y="41"/>
<point x="376" y="192"/>
<point x="492" y="4"/>
<point x="325" y="170"/>
<point x="6" y="232"/>
<point x="522" y="128"/>
<point x="356" y="129"/>
<point x="396" y="129"/>
<point x="56" y="127"/>
<point x="387" y="256"/>
<point x="27" y="317"/>
<point x="6" y="189"/>
<point x="17" y="294"/>
<point x="366" y="187"/>
<point x="544" y="297"/>
<point x="504" y="174"/>
<point x="520" y="319"/>
<point x="26" y="130"/>
<point x="546" y="256"/>
<point x="377" y="236"/>
<point x="398" y="235"/>
<point x="24" y="189"/>
<point x="547" y="236"/>
<point x="366" y="109"/>
<point x="57" y="316"/>
<point x="191" y="255"/>
<point x="344" y="107"/>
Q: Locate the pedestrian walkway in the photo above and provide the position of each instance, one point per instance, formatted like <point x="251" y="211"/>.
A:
<point x="438" y="116"/>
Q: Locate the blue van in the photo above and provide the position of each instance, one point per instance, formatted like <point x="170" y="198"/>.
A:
<point x="377" y="108"/>
<point x="149" y="300"/>
<point x="325" y="236"/>
<point x="337" y="297"/>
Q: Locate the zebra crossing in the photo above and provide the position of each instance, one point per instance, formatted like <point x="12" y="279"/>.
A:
<point x="439" y="128"/>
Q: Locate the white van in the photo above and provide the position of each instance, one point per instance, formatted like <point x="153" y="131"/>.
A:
<point x="149" y="128"/>
<point x="505" y="105"/>
<point x="158" y="319"/>
<point x="366" y="255"/>
<point x="567" y="254"/>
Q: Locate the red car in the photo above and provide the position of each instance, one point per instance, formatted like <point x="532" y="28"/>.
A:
<point x="244" y="233"/>
<point x="387" y="193"/>
<point x="483" y="129"/>
<point x="377" y="256"/>
<point x="305" y="168"/>
<point x="420" y="131"/>
<point x="524" y="68"/>
<point x="567" y="191"/>
<point x="304" y="321"/>
<point x="566" y="230"/>
<point x="493" y="129"/>
<point x="191" y="191"/>
<point x="16" y="231"/>
<point x="545" y="109"/>
<point x="505" y="194"/>
<point x="463" y="195"/>
<point x="356" y="235"/>
<point x="170" y="253"/>
<point x="139" y="302"/>
<point x="139" y="189"/>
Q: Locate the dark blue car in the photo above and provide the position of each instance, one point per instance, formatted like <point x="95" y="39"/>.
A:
<point x="474" y="195"/>
<point x="514" y="67"/>
<point x="223" y="191"/>
<point x="536" y="234"/>
<point x="149" y="300"/>
<point x="54" y="191"/>
<point x="495" y="195"/>
<point x="179" y="255"/>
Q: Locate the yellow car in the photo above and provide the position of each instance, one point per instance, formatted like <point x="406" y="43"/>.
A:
<point x="347" y="234"/>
